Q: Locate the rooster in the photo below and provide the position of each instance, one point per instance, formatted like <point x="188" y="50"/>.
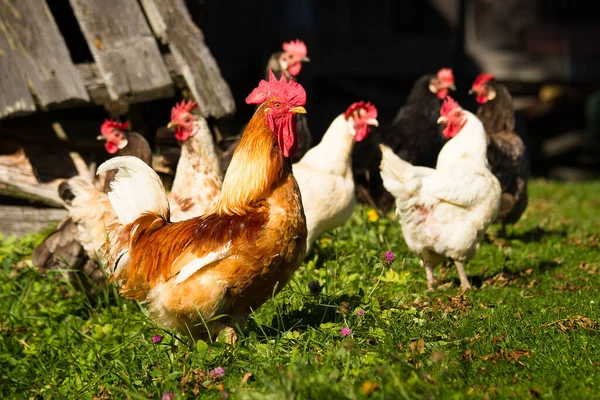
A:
<point x="230" y="260"/>
<point x="324" y="174"/>
<point x="71" y="246"/>
<point x="414" y="136"/>
<point x="198" y="177"/>
<point x="445" y="211"/>
<point x="506" y="152"/>
<point x="287" y="62"/>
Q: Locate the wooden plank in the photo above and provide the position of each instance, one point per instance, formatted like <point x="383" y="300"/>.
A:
<point x="124" y="49"/>
<point x="22" y="220"/>
<point x="96" y="87"/>
<point x="15" y="98"/>
<point x="32" y="45"/>
<point x="172" y="22"/>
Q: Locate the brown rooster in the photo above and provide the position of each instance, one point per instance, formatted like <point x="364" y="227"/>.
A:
<point x="71" y="247"/>
<point x="231" y="260"/>
<point x="506" y="151"/>
<point x="289" y="63"/>
<point x="198" y="177"/>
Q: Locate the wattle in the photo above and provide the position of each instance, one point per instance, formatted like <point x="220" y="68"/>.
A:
<point x="294" y="70"/>
<point x="442" y="94"/>
<point x="111" y="148"/>
<point x="182" y="134"/>
<point x="481" y="98"/>
<point x="285" y="129"/>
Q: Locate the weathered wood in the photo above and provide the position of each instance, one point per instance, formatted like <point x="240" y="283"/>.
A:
<point x="172" y="22"/>
<point x="96" y="87"/>
<point x="124" y="49"/>
<point x="15" y="98"/>
<point x="34" y="60"/>
<point x="21" y="220"/>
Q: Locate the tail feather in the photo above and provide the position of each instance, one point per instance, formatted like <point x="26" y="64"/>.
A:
<point x="396" y="174"/>
<point x="136" y="189"/>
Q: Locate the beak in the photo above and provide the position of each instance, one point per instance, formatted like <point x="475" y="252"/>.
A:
<point x="100" y="137"/>
<point x="305" y="59"/>
<point x="298" y="110"/>
<point x="372" y="122"/>
<point x="452" y="87"/>
<point x="172" y="125"/>
<point x="471" y="91"/>
<point x="442" y="120"/>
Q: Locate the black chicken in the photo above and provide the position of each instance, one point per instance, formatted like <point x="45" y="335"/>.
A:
<point x="414" y="136"/>
<point x="507" y="154"/>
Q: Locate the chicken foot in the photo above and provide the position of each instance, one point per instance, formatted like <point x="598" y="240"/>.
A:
<point x="228" y="335"/>
<point x="464" y="281"/>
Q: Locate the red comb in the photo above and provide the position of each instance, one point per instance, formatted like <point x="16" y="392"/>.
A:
<point x="482" y="78"/>
<point x="446" y="75"/>
<point x="448" y="106"/>
<point x="109" y="123"/>
<point x="296" y="47"/>
<point x="184" y="106"/>
<point x="291" y="91"/>
<point x="370" y="109"/>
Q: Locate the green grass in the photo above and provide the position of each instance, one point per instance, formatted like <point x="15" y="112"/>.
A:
<point x="529" y="329"/>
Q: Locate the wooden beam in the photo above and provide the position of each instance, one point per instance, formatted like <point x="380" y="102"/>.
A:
<point x="96" y="87"/>
<point x="124" y="49"/>
<point x="172" y="22"/>
<point x="34" y="60"/>
<point x="22" y="220"/>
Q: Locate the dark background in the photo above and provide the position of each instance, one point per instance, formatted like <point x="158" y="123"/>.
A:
<point x="549" y="53"/>
<point x="546" y="51"/>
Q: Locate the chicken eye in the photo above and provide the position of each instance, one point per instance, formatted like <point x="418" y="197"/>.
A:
<point x="277" y="105"/>
<point x="187" y="119"/>
<point x="457" y="114"/>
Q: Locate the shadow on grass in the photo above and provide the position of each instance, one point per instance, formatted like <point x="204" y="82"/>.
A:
<point x="508" y="277"/>
<point x="315" y="311"/>
<point x="536" y="234"/>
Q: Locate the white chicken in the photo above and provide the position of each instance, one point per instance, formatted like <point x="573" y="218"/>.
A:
<point x="324" y="174"/>
<point x="445" y="211"/>
<point x="198" y="178"/>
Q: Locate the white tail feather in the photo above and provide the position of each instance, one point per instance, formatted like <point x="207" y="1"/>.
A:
<point x="135" y="189"/>
<point x="394" y="172"/>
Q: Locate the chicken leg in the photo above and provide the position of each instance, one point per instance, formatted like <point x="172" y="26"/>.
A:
<point x="464" y="281"/>
<point x="429" y="273"/>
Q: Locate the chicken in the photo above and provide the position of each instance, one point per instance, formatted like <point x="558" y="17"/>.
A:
<point x="71" y="247"/>
<point x="231" y="260"/>
<point x="198" y="177"/>
<point x="287" y="62"/>
<point x="413" y="135"/>
<point x="324" y="174"/>
<point x="445" y="211"/>
<point x="121" y="142"/>
<point x="506" y="152"/>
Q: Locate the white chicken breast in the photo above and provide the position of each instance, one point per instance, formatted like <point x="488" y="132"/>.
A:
<point x="445" y="211"/>
<point x="324" y="174"/>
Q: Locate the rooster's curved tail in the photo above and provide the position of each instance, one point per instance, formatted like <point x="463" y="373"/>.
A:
<point x="135" y="190"/>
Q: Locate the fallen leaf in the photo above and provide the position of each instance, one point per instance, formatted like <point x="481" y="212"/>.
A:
<point x="498" y="339"/>
<point x="437" y="356"/>
<point x="418" y="346"/>
<point x="515" y="379"/>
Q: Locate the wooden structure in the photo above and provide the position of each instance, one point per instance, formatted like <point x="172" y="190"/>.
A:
<point x="38" y="74"/>
<point x="138" y="51"/>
